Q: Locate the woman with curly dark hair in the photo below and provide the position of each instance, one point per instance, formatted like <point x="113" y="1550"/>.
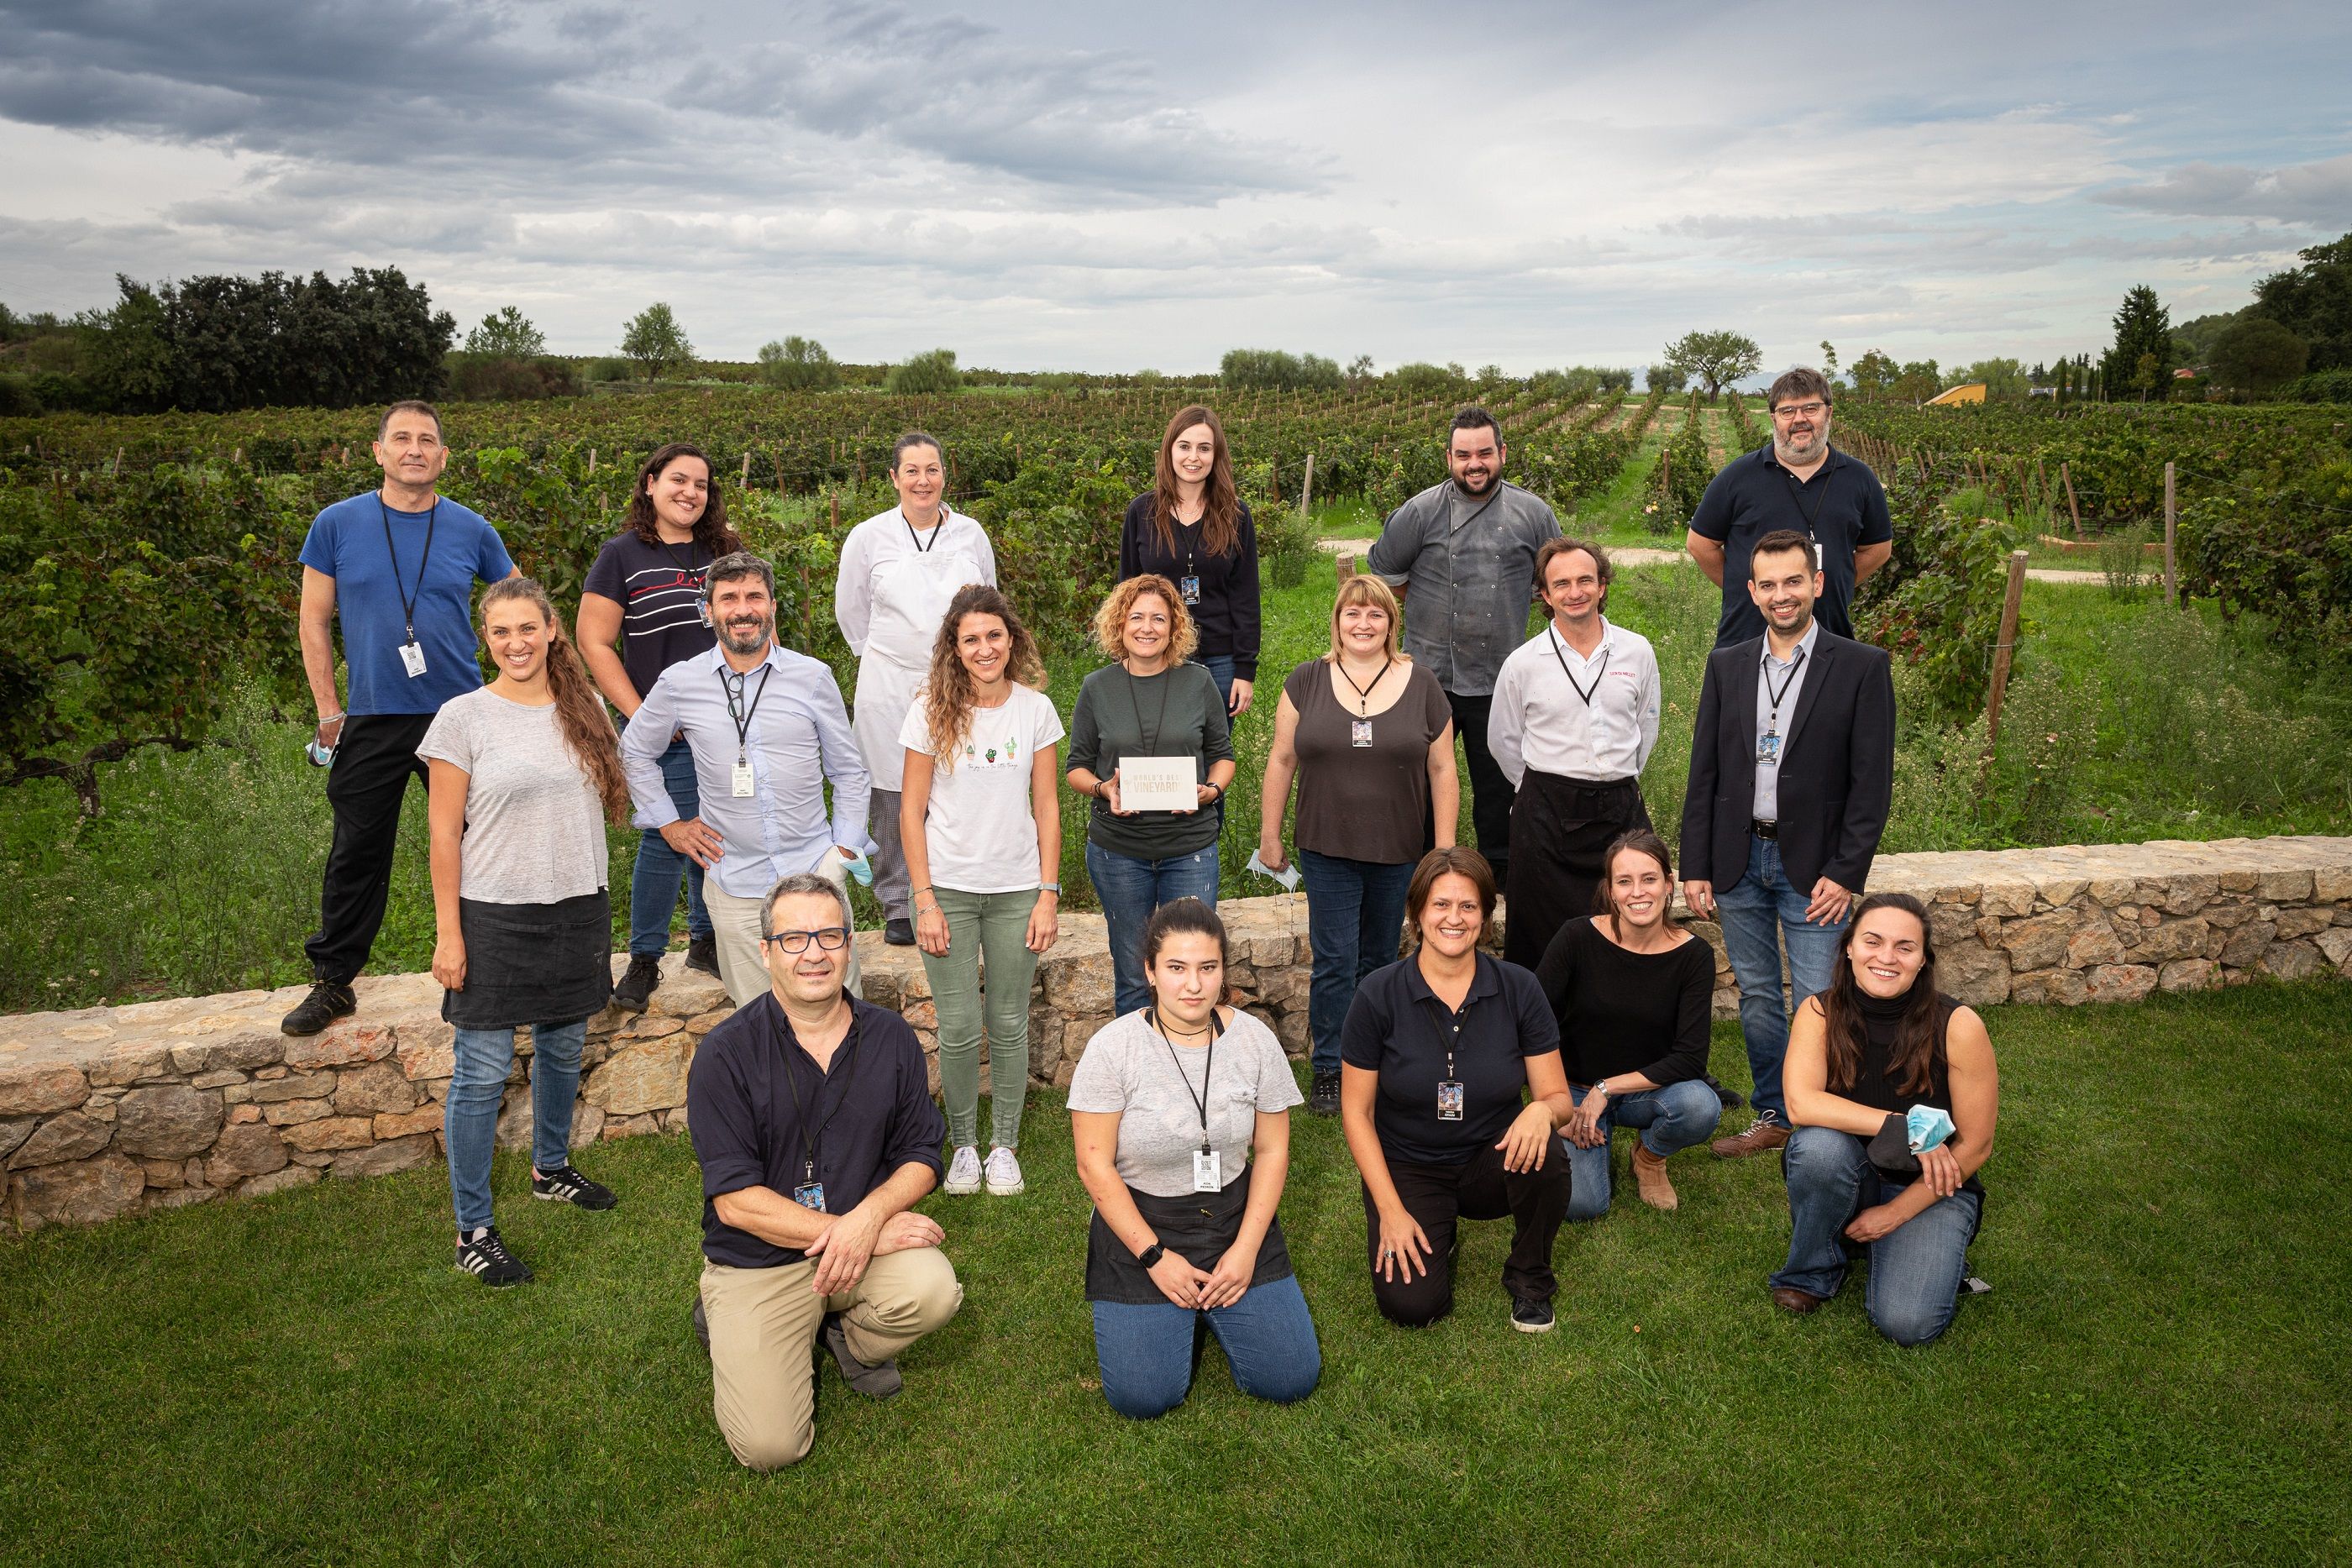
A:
<point x="645" y="595"/>
<point x="982" y="831"/>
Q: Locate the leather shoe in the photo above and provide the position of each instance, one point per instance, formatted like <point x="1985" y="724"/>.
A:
<point x="1767" y="1133"/>
<point x="1788" y="1299"/>
<point x="899" y="932"/>
<point x="1650" y="1175"/>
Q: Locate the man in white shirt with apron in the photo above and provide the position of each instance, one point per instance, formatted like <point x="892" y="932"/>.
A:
<point x="899" y="570"/>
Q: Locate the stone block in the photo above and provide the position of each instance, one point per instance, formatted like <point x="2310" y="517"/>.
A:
<point x="14" y="1132"/>
<point x="2008" y="897"/>
<point x="274" y="1091"/>
<point x="382" y="1159"/>
<point x="345" y="1043"/>
<point x="331" y="1133"/>
<point x="426" y="1050"/>
<point x="2050" y="988"/>
<point x="630" y="1126"/>
<point x="377" y="1088"/>
<point x="2283" y="886"/>
<point x="587" y="1124"/>
<point x="2336" y="943"/>
<point x="217" y="1077"/>
<point x="883" y="988"/>
<point x="674" y="1119"/>
<point x="222" y="1040"/>
<point x="178" y="1198"/>
<point x="1959" y="893"/>
<point x="2094" y="942"/>
<point x="2244" y="948"/>
<point x="2294" y="961"/>
<point x="685" y="992"/>
<point x="1081" y="985"/>
<point x="2061" y="891"/>
<point x="406" y="1124"/>
<point x="2186" y="975"/>
<point x="2040" y="942"/>
<point x="2227" y="917"/>
<point x="2120" y="982"/>
<point x="2173" y="939"/>
<point x="83" y="1193"/>
<point x="701" y="1024"/>
<point x="170" y="1120"/>
<point x="39" y="1090"/>
<point x="921" y="1016"/>
<point x="127" y="1064"/>
<point x="278" y="1181"/>
<point x="167" y="1174"/>
<point x="2332" y="884"/>
<point x="2110" y="892"/>
<point x="652" y="1026"/>
<point x="648" y="1075"/>
<point x="241" y="1114"/>
<point x="68" y="1135"/>
<point x="269" y="1074"/>
<point x="247" y="1150"/>
<point x="2294" y="923"/>
<point x="317" y="1159"/>
<point x="294" y="1112"/>
<point x="1972" y="974"/>
<point x="2189" y="892"/>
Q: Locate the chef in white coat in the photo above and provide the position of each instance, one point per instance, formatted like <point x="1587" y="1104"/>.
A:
<point x="899" y="570"/>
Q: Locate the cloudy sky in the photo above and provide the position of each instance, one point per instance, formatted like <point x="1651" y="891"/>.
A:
<point x="1041" y="185"/>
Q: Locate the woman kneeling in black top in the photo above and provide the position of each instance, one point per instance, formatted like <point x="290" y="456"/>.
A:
<point x="1634" y="995"/>
<point x="1880" y="1042"/>
<point x="1436" y="1053"/>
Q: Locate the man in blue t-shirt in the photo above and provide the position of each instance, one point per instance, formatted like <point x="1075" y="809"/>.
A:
<point x="398" y="567"/>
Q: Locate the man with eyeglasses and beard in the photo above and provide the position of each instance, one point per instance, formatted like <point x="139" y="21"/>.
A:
<point x="812" y="1118"/>
<point x="768" y="730"/>
<point x="1801" y="483"/>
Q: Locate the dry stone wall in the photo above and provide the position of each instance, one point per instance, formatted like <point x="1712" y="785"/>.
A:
<point x="111" y="1111"/>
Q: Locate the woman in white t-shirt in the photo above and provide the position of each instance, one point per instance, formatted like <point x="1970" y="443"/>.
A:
<point x="981" y="827"/>
<point x="525" y="773"/>
<point x="1180" y="1115"/>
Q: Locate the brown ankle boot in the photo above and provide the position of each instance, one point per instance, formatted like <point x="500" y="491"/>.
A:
<point x="1650" y="1174"/>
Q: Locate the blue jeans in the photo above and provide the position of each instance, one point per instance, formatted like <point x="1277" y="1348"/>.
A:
<point x="1915" y="1270"/>
<point x="1676" y="1118"/>
<point x="653" y="886"/>
<point x="1223" y="670"/>
<point x="1355" y="917"/>
<point x="1146" y="1352"/>
<point x="1129" y="890"/>
<point x="470" y="1124"/>
<point x="1759" y="911"/>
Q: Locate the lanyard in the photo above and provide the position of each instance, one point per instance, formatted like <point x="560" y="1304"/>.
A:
<point x="812" y="1146"/>
<point x="1152" y="739"/>
<point x="1364" y="693"/>
<point x="921" y="547"/>
<point x="736" y="711"/>
<point x="1797" y="488"/>
<point x="1200" y="1101"/>
<point x="1452" y="1017"/>
<point x="688" y="567"/>
<point x="407" y="600"/>
<point x="1582" y="695"/>
<point x="1795" y="665"/>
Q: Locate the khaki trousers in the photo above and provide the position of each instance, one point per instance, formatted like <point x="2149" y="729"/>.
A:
<point x="735" y="923"/>
<point x="763" y="1332"/>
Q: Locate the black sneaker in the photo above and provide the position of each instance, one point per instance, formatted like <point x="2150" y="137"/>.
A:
<point x="899" y="932"/>
<point x="879" y="1381"/>
<point x="564" y="1185"/>
<point x="1732" y="1098"/>
<point x="1324" y="1101"/>
<point x="487" y="1259"/>
<point x="1530" y="1316"/>
<point x="636" y="986"/>
<point x="327" y="1002"/>
<point x="702" y="954"/>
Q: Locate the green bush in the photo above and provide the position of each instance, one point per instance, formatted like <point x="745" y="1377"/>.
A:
<point x="1937" y="603"/>
<point x="933" y="374"/>
<point x="2286" y="554"/>
<point x="1287" y="546"/>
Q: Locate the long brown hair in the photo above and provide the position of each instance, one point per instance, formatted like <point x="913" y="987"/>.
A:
<point x="948" y="694"/>
<point x="1221" y="513"/>
<point x="580" y="714"/>
<point x="711" y="530"/>
<point x="1918" y="1036"/>
<point x="1637" y="841"/>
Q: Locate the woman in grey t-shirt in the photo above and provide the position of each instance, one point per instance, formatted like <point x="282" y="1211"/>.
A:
<point x="525" y="772"/>
<point x="1168" y="1107"/>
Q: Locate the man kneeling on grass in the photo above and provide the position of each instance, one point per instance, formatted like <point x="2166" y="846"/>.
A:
<point x="812" y="1117"/>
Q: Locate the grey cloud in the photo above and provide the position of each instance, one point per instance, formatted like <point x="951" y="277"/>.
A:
<point x="2317" y="193"/>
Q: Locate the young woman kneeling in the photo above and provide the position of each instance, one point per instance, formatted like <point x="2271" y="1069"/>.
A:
<point x="1167" y="1106"/>
<point x="1880" y="1045"/>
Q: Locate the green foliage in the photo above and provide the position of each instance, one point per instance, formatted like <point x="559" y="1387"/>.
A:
<point x="655" y="341"/>
<point x="2255" y="354"/>
<point x="1423" y="380"/>
<point x="2315" y="302"/>
<point x="474" y="379"/>
<point x="1665" y="378"/>
<point x="2320" y="386"/>
<point x="1873" y="374"/>
<point x="2142" y="357"/>
<point x="1275" y="370"/>
<point x="932" y="374"/>
<point x="130" y="363"/>
<point x="2001" y="378"/>
<point x="1917" y="380"/>
<point x="1055" y="530"/>
<point x="1936" y="605"/>
<point x="1287" y="546"/>
<point x="1684" y="470"/>
<point x="505" y="334"/>
<point x="798" y="364"/>
<point x="2286" y="554"/>
<point x="1715" y="358"/>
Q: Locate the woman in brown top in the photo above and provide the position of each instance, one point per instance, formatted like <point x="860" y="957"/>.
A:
<point x="1371" y="739"/>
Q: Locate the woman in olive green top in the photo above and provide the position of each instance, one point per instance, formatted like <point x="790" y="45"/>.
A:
<point x="1150" y="703"/>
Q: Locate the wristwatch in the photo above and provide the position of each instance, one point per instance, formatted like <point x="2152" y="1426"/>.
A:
<point x="1053" y="887"/>
<point x="1150" y="1256"/>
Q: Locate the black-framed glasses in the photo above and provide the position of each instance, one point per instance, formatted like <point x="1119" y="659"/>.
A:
<point x="832" y="939"/>
<point x="1801" y="410"/>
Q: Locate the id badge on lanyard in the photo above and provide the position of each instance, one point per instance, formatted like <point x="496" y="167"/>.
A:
<point x="1208" y="1170"/>
<point x="1359" y="732"/>
<point x="1767" y="746"/>
<point x="1449" y="1100"/>
<point x="411" y="657"/>
<point x="1190" y="587"/>
<point x="739" y="780"/>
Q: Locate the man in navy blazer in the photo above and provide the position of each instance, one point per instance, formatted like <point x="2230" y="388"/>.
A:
<point x="1791" y="772"/>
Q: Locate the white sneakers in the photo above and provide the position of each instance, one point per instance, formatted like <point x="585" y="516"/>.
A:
<point x="1003" y="1174"/>
<point x="963" y="1173"/>
<point x="965" y="1176"/>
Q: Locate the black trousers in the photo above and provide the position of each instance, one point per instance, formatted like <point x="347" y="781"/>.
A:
<point x="1562" y="827"/>
<point x="1490" y="787"/>
<point x="366" y="786"/>
<point x="1437" y="1195"/>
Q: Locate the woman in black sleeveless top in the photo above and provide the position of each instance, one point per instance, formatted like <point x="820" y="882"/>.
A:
<point x="1879" y="1042"/>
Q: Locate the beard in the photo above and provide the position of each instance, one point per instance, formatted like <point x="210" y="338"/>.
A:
<point x="742" y="639"/>
<point x="1805" y="448"/>
<point x="1482" y="487"/>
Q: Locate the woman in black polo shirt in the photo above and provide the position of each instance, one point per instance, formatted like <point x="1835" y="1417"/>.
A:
<point x="1193" y="529"/>
<point x="1435" y="1056"/>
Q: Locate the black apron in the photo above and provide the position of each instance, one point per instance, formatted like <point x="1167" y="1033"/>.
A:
<point x="533" y="963"/>
<point x="1559" y="830"/>
<point x="1200" y="1228"/>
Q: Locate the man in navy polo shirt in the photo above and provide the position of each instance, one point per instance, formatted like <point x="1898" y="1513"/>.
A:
<point x="397" y="567"/>
<point x="1800" y="482"/>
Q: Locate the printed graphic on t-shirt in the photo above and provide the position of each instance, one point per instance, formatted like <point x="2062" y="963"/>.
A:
<point x="1006" y="754"/>
<point x="662" y="598"/>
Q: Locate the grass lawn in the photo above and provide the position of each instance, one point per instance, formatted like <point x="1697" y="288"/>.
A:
<point x="2159" y="1375"/>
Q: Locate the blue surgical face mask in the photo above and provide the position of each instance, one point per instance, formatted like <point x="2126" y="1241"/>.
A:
<point x="862" y="869"/>
<point x="320" y="755"/>
<point x="1928" y="1127"/>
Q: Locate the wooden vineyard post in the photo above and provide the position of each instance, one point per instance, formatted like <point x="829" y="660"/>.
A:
<point x="2075" y="511"/>
<point x="834" y="497"/>
<point x="1275" y="473"/>
<point x="592" y="463"/>
<point x="1306" y="487"/>
<point x="2171" y="537"/>
<point x="1344" y="566"/>
<point x="1666" y="475"/>
<point x="2004" y="649"/>
<point x="745" y="483"/>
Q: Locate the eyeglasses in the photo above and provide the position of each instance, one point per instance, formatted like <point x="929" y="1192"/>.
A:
<point x="1800" y="409"/>
<point x="833" y="938"/>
